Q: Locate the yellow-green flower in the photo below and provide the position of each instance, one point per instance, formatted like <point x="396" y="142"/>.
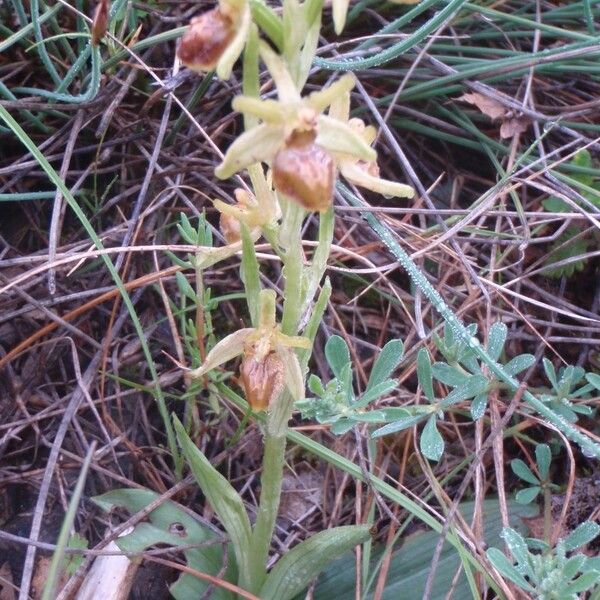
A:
<point x="216" y="38"/>
<point x="255" y="211"/>
<point x="295" y="138"/>
<point x="269" y="361"/>
<point x="360" y="172"/>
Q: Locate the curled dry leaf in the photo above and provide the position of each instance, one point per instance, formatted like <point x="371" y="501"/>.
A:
<point x="511" y="124"/>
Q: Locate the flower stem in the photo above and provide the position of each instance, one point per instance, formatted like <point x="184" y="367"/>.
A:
<point x="270" y="481"/>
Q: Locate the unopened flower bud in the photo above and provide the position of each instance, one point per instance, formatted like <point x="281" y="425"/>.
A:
<point x="263" y="380"/>
<point x="305" y="172"/>
<point x="100" y="22"/>
<point x="230" y="228"/>
<point x="205" y="40"/>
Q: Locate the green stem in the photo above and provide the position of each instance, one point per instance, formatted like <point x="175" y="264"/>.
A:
<point x="547" y="514"/>
<point x="292" y="269"/>
<point x="270" y="481"/>
<point x="588" y="446"/>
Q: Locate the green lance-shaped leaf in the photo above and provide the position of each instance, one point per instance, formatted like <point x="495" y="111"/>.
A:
<point x="431" y="442"/>
<point x="517" y="545"/>
<point x="582" y="583"/>
<point x="424" y="374"/>
<point x="449" y="375"/>
<point x="478" y="406"/>
<point x="550" y="372"/>
<point x="298" y="567"/>
<point x="224" y="500"/>
<point x="374" y="392"/>
<point x="519" y="363"/>
<point x="400" y="424"/>
<point x="473" y="386"/>
<point x="337" y="354"/>
<point x="184" y="287"/>
<point x="507" y="569"/>
<point x="387" y="361"/>
<point x="594" y="379"/>
<point x="574" y="565"/>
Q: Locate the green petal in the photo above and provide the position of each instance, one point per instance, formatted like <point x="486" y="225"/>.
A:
<point x="323" y="98"/>
<point x="352" y="172"/>
<point x="340" y="108"/>
<point x="259" y="144"/>
<point x="270" y="111"/>
<point x="293" y="373"/>
<point x="228" y="348"/>
<point x="337" y="137"/>
<point x="284" y="83"/>
<point x="233" y="51"/>
<point x="340" y="9"/>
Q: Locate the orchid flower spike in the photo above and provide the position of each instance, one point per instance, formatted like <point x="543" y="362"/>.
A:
<point x="269" y="363"/>
<point x="216" y="38"/>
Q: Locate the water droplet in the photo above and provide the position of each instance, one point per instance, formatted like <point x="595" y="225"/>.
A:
<point x="473" y="342"/>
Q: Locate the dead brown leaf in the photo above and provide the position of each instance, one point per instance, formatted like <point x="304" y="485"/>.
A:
<point x="488" y="106"/>
<point x="511" y="125"/>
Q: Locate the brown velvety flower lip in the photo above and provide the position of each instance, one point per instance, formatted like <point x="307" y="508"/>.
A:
<point x="205" y="40"/>
<point x="305" y="172"/>
<point x="262" y="380"/>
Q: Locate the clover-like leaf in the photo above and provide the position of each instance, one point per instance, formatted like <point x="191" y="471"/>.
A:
<point x="520" y="469"/>
<point x="431" y="442"/>
<point x="387" y="361"/>
<point x="543" y="457"/>
<point x="337" y="354"/>
<point x="528" y="495"/>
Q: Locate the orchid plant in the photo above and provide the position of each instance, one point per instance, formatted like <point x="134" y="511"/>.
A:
<point x="293" y="149"/>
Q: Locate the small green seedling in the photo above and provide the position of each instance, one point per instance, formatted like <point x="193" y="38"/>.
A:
<point x="549" y="573"/>
<point x="570" y="243"/>
<point x="462" y="372"/>
<point x="539" y="483"/>
<point x="565" y="388"/>
<point x="335" y="403"/>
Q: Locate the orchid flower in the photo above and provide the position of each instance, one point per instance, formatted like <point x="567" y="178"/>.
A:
<point x="269" y="361"/>
<point x="295" y="138"/>
<point x="216" y="38"/>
